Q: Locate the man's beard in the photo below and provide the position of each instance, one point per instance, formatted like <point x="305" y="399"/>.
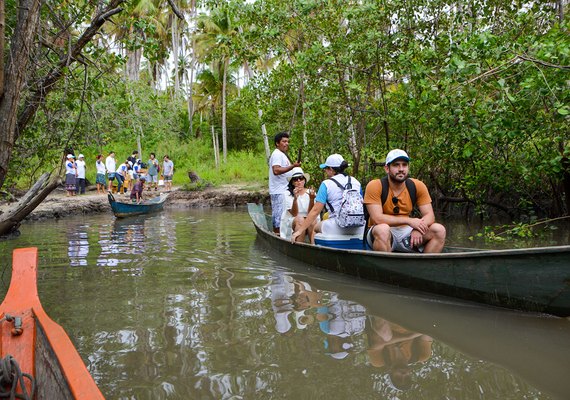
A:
<point x="398" y="178"/>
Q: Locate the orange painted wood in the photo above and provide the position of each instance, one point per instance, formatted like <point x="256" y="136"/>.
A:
<point x="22" y="300"/>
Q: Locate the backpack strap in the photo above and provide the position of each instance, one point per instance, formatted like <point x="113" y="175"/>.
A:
<point x="348" y="186"/>
<point x="410" y="185"/>
<point x="385" y="188"/>
<point x="412" y="190"/>
<point x="339" y="185"/>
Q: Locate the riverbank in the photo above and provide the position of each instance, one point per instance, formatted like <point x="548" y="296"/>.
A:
<point x="58" y="205"/>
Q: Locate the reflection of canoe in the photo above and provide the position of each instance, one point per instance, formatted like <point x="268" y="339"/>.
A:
<point x="534" y="279"/>
<point x="40" y="347"/>
<point x="126" y="209"/>
<point x="533" y="346"/>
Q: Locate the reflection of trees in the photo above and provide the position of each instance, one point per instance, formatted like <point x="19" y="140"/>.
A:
<point x="200" y="323"/>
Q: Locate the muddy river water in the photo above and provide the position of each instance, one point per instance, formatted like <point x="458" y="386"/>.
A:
<point x="187" y="304"/>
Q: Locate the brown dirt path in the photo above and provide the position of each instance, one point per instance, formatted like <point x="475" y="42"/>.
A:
<point x="58" y="205"/>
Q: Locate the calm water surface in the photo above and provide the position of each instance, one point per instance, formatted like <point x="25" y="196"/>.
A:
<point x="189" y="305"/>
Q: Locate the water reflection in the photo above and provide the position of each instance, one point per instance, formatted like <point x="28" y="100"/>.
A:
<point x="202" y="310"/>
<point x="390" y="346"/>
<point x="395" y="348"/>
<point x="78" y="248"/>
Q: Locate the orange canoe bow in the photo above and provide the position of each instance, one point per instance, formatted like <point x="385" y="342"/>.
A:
<point x="40" y="347"/>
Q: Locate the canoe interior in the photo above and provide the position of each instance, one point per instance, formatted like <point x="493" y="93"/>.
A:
<point x="51" y="383"/>
<point x="42" y="349"/>
<point x="536" y="279"/>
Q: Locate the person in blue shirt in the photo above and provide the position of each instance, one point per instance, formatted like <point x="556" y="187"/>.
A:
<point x="330" y="194"/>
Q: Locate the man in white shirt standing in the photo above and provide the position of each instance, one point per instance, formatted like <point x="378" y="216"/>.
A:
<point x="81" y="167"/>
<point x="279" y="166"/>
<point x="167" y="172"/>
<point x="111" y="166"/>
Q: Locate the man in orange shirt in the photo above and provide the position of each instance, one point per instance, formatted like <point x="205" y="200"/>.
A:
<point x="391" y="227"/>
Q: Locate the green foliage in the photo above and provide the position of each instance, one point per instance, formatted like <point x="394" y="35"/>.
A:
<point x="476" y="93"/>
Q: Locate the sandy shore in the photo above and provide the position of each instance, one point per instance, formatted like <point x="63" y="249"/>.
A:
<point x="58" y="205"/>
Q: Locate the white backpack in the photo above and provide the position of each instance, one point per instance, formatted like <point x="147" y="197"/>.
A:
<point x="351" y="212"/>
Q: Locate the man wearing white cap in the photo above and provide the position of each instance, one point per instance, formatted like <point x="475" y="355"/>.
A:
<point x="81" y="166"/>
<point x="279" y="167"/>
<point x="391" y="227"/>
<point x="330" y="193"/>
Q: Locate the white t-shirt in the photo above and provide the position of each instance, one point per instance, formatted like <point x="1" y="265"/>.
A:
<point x="100" y="167"/>
<point x="278" y="183"/>
<point x="331" y="193"/>
<point x="167" y="168"/>
<point x="110" y="164"/>
<point x="80" y="169"/>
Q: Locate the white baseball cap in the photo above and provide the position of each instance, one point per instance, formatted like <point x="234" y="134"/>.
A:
<point x="298" y="171"/>
<point x="81" y="156"/>
<point x="334" y="160"/>
<point x="70" y="156"/>
<point x="396" y="154"/>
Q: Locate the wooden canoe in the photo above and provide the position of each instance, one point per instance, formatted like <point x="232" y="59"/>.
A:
<point x="40" y="347"/>
<point x="530" y="279"/>
<point x="127" y="208"/>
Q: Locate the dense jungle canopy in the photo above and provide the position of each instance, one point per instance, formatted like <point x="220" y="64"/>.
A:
<point x="477" y="92"/>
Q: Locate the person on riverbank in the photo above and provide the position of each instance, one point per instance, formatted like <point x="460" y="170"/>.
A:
<point x="81" y="170"/>
<point x="70" y="175"/>
<point x="331" y="195"/>
<point x="279" y="170"/>
<point x="137" y="191"/>
<point x="167" y="172"/>
<point x="111" y="166"/>
<point x="298" y="202"/>
<point x="100" y="178"/>
<point x="121" y="175"/>
<point x="152" y="173"/>
<point x="134" y="157"/>
<point x="391" y="228"/>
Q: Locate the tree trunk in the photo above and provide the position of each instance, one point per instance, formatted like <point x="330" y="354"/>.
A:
<point x="215" y="139"/>
<point x="2" y="30"/>
<point x="260" y="115"/>
<point x="191" y="90"/>
<point x="264" y="134"/>
<point x="12" y="121"/>
<point x="17" y="68"/>
<point x="11" y="219"/>
<point x="175" y="39"/>
<point x="133" y="64"/>
<point x="224" y="110"/>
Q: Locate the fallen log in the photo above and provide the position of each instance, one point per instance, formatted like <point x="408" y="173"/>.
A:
<point x="11" y="219"/>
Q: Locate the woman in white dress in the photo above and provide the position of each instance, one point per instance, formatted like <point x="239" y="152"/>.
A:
<point x="297" y="203"/>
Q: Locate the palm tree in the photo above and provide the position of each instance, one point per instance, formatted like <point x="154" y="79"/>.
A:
<point x="207" y="97"/>
<point x="214" y="40"/>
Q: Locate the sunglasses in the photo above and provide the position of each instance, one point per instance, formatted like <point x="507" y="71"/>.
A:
<point x="396" y="208"/>
<point x="298" y="178"/>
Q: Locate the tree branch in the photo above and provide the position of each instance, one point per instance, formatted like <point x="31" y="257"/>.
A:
<point x="176" y="10"/>
<point x="47" y="84"/>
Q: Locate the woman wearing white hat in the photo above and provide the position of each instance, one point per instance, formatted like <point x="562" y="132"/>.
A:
<point x="297" y="203"/>
<point x="331" y="195"/>
<point x="70" y="175"/>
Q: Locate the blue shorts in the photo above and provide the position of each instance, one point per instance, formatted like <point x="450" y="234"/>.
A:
<point x="111" y="176"/>
<point x="276" y="209"/>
